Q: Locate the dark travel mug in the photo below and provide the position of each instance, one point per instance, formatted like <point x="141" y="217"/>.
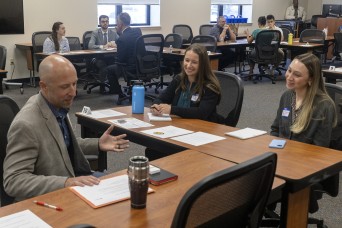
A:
<point x="138" y="175"/>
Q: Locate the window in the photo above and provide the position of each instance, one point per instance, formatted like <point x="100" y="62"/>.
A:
<point x="231" y="8"/>
<point x="142" y="12"/>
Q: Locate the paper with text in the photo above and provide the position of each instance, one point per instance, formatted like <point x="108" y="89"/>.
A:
<point x="105" y="113"/>
<point x="23" y="219"/>
<point x="246" y="133"/>
<point x="111" y="190"/>
<point x="198" y="138"/>
<point x="167" y="132"/>
<point x="130" y="123"/>
<point x="163" y="117"/>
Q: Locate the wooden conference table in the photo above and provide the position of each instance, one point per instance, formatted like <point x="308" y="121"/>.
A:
<point x="190" y="166"/>
<point x="299" y="164"/>
<point x="3" y="74"/>
<point x="332" y="75"/>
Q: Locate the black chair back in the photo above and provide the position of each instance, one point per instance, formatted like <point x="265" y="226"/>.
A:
<point x="173" y="39"/>
<point x="8" y="109"/>
<point x="208" y="41"/>
<point x="234" y="197"/>
<point x="38" y="39"/>
<point x="314" y="19"/>
<point x="267" y="43"/>
<point x="205" y="29"/>
<point x="3" y="53"/>
<point x="286" y="32"/>
<point x="312" y="36"/>
<point x="86" y="39"/>
<point x="185" y="31"/>
<point x="231" y="98"/>
<point x="74" y="43"/>
<point x="338" y="44"/>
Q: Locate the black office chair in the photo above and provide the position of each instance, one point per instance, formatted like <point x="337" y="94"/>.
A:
<point x="3" y="54"/>
<point x="208" y="41"/>
<point x="234" y="197"/>
<point x="79" y="63"/>
<point x="8" y="111"/>
<point x="38" y="39"/>
<point x="148" y="52"/>
<point x="232" y="97"/>
<point x="314" y="19"/>
<point x="282" y="66"/>
<point x="267" y="43"/>
<point x="170" y="65"/>
<point x="315" y="36"/>
<point x="205" y="29"/>
<point x="185" y="31"/>
<point x="338" y="46"/>
<point x="92" y="76"/>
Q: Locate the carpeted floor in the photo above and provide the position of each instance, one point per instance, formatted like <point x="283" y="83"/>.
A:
<point x="258" y="111"/>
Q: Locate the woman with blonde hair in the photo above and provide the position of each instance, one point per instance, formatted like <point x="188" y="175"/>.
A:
<point x="306" y="113"/>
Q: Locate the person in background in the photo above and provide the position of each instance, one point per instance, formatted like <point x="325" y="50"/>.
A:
<point x="306" y="113"/>
<point x="56" y="42"/>
<point x="43" y="153"/>
<point x="295" y="12"/>
<point x="125" y="51"/>
<point x="222" y="32"/>
<point x="271" y="25"/>
<point x="193" y="94"/>
<point x="103" y="38"/>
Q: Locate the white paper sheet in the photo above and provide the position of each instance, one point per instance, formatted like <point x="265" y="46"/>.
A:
<point x="166" y="132"/>
<point x="105" y="113"/>
<point x="23" y="219"/>
<point x="164" y="117"/>
<point x="246" y="133"/>
<point x="198" y="138"/>
<point x="130" y="123"/>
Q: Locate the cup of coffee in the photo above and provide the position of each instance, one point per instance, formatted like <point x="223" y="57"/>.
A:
<point x="138" y="178"/>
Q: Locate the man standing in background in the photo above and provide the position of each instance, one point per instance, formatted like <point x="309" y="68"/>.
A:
<point x="295" y="12"/>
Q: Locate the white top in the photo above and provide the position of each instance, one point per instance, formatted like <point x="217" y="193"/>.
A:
<point x="49" y="46"/>
<point x="290" y="12"/>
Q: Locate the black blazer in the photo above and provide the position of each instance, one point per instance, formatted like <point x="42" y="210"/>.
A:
<point x="126" y="44"/>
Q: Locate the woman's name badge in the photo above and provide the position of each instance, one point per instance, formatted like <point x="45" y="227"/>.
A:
<point x="285" y="113"/>
<point x="194" y="97"/>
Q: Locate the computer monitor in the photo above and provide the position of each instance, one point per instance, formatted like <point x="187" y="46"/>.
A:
<point x="11" y="17"/>
<point x="331" y="10"/>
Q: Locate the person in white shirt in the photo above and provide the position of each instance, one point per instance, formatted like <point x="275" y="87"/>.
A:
<point x="57" y="41"/>
<point x="295" y="12"/>
<point x="271" y="25"/>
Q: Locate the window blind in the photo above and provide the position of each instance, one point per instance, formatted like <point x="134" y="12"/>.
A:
<point x="235" y="2"/>
<point x="129" y="2"/>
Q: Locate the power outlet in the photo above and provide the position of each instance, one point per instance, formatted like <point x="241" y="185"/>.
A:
<point x="12" y="61"/>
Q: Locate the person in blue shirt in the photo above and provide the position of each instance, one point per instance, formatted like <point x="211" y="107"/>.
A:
<point x="56" y="42"/>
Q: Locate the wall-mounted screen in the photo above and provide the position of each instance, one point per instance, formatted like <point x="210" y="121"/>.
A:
<point x="11" y="17"/>
<point x="331" y="10"/>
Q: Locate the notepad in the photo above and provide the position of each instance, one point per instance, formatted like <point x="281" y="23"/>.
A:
<point x="109" y="191"/>
<point x="163" y="117"/>
<point x="246" y="133"/>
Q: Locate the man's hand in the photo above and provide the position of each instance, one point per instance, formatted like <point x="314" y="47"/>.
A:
<point x="82" y="181"/>
<point x="107" y="142"/>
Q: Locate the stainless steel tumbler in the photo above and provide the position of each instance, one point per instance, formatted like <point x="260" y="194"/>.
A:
<point x="138" y="175"/>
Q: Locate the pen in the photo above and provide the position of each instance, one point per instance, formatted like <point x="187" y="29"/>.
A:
<point x="47" y="205"/>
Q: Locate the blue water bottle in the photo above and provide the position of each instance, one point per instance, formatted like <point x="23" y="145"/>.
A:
<point x="138" y="98"/>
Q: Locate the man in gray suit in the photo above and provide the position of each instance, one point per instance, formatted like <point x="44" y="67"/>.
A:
<point x="43" y="153"/>
<point x="103" y="38"/>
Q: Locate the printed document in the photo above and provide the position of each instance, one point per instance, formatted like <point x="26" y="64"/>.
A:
<point x="130" y="123"/>
<point x="24" y="218"/>
<point x="163" y="117"/>
<point x="246" y="133"/>
<point x="111" y="190"/>
<point x="105" y="113"/>
<point x="198" y="138"/>
<point x="167" y="132"/>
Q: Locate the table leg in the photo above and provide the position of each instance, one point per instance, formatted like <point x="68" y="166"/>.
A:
<point x="298" y="208"/>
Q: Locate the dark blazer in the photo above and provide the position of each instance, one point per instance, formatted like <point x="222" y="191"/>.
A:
<point x="126" y="44"/>
<point x="37" y="159"/>
<point x="319" y="129"/>
<point x="97" y="38"/>
<point x="204" y="109"/>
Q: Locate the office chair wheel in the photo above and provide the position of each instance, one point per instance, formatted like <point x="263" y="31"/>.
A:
<point x="88" y="91"/>
<point x="21" y="90"/>
<point x="85" y="86"/>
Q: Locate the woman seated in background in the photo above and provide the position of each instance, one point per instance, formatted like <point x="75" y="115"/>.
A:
<point x="306" y="113"/>
<point x="194" y="93"/>
<point x="56" y="42"/>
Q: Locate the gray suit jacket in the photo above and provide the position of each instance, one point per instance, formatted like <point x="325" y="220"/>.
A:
<point x="97" y="38"/>
<point x="37" y="159"/>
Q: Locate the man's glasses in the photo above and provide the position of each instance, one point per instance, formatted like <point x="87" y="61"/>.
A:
<point x="104" y="21"/>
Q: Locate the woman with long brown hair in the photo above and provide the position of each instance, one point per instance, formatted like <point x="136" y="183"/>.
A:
<point x="56" y="42"/>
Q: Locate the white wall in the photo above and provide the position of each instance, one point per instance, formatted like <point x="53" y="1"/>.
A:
<point x="81" y="15"/>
